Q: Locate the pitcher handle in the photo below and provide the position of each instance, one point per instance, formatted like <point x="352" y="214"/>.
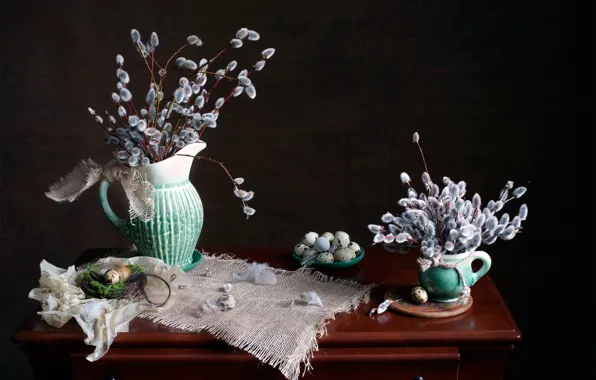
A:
<point x="103" y="199"/>
<point x="486" y="263"/>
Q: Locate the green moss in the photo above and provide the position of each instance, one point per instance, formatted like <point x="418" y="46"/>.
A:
<point x="134" y="268"/>
<point x="93" y="284"/>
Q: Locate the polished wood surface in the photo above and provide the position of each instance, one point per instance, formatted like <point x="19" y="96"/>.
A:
<point x="429" y="309"/>
<point x="486" y="332"/>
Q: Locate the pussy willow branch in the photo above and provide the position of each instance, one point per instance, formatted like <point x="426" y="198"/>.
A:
<point x="174" y="130"/>
<point x="206" y="72"/>
<point x="165" y="68"/>
<point x="157" y="90"/>
<point x="112" y="133"/>
<point x="222" y="166"/>
<point x="225" y="101"/>
<point x="131" y="103"/>
<point x="146" y="63"/>
<point x="200" y="67"/>
<point x="213" y="87"/>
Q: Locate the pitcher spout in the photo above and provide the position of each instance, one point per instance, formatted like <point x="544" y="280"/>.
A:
<point x="192" y="149"/>
<point x="175" y="169"/>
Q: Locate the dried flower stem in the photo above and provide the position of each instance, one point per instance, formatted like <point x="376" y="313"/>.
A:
<point x="222" y="76"/>
<point x="177" y="117"/>
<point x="211" y="89"/>
<point x="174" y="130"/>
<point x="222" y="166"/>
<point x="475" y="214"/>
<point x="163" y="127"/>
<point x="148" y="149"/>
<point x="422" y="154"/>
<point x="147" y="64"/>
<point x="425" y="167"/>
<point x="218" y="54"/>
<point x="152" y="60"/>
<point x="174" y="55"/>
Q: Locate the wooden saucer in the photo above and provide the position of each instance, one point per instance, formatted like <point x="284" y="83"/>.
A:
<point x="430" y="309"/>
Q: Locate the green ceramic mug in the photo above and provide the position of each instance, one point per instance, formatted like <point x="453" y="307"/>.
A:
<point x="444" y="284"/>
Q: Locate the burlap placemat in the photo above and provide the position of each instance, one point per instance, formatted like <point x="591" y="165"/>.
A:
<point x="268" y="321"/>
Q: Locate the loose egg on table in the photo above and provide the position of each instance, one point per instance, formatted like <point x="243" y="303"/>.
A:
<point x="419" y="294"/>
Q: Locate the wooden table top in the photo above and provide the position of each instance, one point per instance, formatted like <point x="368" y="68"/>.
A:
<point x="488" y="321"/>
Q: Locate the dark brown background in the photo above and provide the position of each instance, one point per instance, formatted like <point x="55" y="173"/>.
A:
<point x="487" y="84"/>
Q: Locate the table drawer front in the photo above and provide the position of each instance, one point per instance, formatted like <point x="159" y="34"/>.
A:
<point x="361" y="364"/>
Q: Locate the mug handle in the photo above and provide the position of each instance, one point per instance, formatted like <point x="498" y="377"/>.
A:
<point x="103" y="199"/>
<point x="486" y="263"/>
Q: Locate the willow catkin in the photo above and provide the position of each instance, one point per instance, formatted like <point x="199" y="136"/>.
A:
<point x="125" y="94"/>
<point x="194" y="40"/>
<point x="523" y="211"/>
<point x="253" y="36"/>
<point x="235" y="43"/>
<point x="259" y="65"/>
<point x="519" y="191"/>
<point x="250" y="91"/>
<point x="242" y="33"/>
<point x="268" y="53"/>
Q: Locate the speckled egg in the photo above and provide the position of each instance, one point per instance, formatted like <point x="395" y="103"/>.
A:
<point x="300" y="248"/>
<point x="226" y="302"/>
<point x="343" y="254"/>
<point x="419" y="294"/>
<point x="322" y="244"/>
<point x="309" y="252"/>
<point x="325" y="257"/>
<point x="328" y="235"/>
<point x="342" y="239"/>
<point x="309" y="238"/>
<point x="354" y="247"/>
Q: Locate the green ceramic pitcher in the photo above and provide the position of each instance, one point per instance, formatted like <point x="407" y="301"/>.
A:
<point x="174" y="231"/>
<point x="444" y="284"/>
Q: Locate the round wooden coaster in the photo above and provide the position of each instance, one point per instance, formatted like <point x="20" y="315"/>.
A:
<point x="429" y="309"/>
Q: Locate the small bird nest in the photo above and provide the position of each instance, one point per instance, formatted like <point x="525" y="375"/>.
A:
<point x="128" y="283"/>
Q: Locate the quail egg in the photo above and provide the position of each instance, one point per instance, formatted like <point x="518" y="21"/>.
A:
<point x="226" y="302"/>
<point x="325" y="257"/>
<point x="354" y="247"/>
<point x="419" y="294"/>
<point x="328" y="235"/>
<point x="310" y="238"/>
<point x="300" y="248"/>
<point x="343" y="254"/>
<point x="111" y="276"/>
<point x="322" y="244"/>
<point x="309" y="252"/>
<point x="342" y="239"/>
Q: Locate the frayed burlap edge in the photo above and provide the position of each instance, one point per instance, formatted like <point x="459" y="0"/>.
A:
<point x="289" y="366"/>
